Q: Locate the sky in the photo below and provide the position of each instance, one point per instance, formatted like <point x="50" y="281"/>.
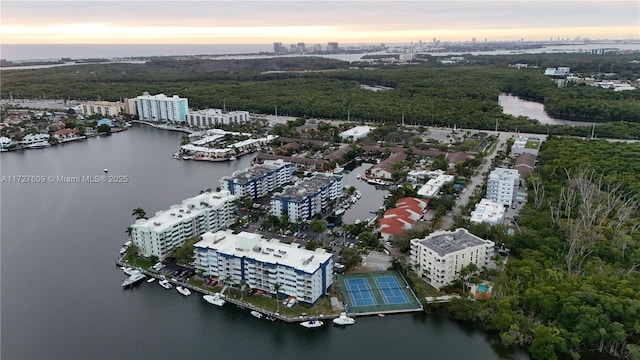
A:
<point x="258" y="22"/>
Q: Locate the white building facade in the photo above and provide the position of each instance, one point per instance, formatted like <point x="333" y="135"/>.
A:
<point x="261" y="263"/>
<point x="356" y="133"/>
<point x="162" y="108"/>
<point x="306" y="198"/>
<point x="440" y="256"/>
<point x="258" y="180"/>
<point x="169" y="229"/>
<point x="214" y="117"/>
<point x="489" y="212"/>
<point x="31" y="139"/>
<point x="104" y="108"/>
<point x="502" y="185"/>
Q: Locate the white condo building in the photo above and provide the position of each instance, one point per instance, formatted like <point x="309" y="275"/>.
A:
<point x="168" y="229"/>
<point x="489" y="212"/>
<point x="440" y="256"/>
<point x="162" y="108"/>
<point x="307" y="197"/>
<point x="356" y="133"/>
<point x="213" y="117"/>
<point x="502" y="185"/>
<point x="258" y="180"/>
<point x="262" y="263"/>
<point x="433" y="186"/>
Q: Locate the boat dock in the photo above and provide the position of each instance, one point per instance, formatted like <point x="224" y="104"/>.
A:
<point x="237" y="302"/>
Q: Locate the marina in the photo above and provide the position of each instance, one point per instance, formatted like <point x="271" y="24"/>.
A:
<point x="105" y="212"/>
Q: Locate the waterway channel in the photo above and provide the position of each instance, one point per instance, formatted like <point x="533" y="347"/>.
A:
<point x="60" y="291"/>
<point x="515" y="106"/>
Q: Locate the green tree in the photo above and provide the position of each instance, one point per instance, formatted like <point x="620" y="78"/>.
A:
<point x="104" y="129"/>
<point x="184" y="253"/>
<point x="318" y="227"/>
<point x="276" y="288"/>
<point x="350" y="257"/>
<point x="139" y="213"/>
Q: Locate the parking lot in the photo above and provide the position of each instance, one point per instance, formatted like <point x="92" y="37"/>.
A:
<point x="173" y="270"/>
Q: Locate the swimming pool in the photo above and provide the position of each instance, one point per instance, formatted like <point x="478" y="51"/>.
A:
<point x="482" y="288"/>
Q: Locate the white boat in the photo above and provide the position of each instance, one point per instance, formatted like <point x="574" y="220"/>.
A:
<point x="165" y="284"/>
<point x="39" y="145"/>
<point x="311" y="323"/>
<point x="232" y="158"/>
<point x="338" y="170"/>
<point x="256" y="314"/>
<point x="130" y="271"/>
<point x="123" y="250"/>
<point x="106" y="170"/>
<point x="215" y="299"/>
<point x="339" y="212"/>
<point x="183" y="290"/>
<point x="133" y="279"/>
<point x="343" y="319"/>
<point x="151" y="280"/>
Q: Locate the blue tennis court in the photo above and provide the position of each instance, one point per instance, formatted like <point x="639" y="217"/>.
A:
<point x="390" y="290"/>
<point x="360" y="292"/>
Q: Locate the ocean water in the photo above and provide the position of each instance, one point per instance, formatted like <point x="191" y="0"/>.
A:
<point x="15" y="52"/>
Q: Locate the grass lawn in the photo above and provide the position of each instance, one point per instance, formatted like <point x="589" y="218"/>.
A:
<point x="268" y="303"/>
<point x="532" y="145"/>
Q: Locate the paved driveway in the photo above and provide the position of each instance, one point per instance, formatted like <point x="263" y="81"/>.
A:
<point x="476" y="179"/>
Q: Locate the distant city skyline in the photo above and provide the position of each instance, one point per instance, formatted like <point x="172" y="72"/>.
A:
<point x="261" y="22"/>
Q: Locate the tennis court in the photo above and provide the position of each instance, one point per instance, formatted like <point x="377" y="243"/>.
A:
<point x="390" y="290"/>
<point x="360" y="292"/>
<point x="375" y="292"/>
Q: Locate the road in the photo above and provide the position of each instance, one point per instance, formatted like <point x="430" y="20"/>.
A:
<point x="476" y="180"/>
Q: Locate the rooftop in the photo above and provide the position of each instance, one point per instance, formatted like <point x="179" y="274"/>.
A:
<point x="306" y="187"/>
<point x="448" y="242"/>
<point x="185" y="211"/>
<point x="487" y="211"/>
<point x="257" y="171"/>
<point x="251" y="245"/>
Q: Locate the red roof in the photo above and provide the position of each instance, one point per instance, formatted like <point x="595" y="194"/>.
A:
<point x="64" y="131"/>
<point x="391" y="226"/>
<point x="422" y="203"/>
<point x="400" y="213"/>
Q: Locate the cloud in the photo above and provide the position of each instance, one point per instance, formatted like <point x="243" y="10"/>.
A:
<point x="346" y="18"/>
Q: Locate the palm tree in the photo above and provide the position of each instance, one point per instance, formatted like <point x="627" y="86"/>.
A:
<point x="128" y="231"/>
<point x="139" y="213"/>
<point x="276" y="289"/>
<point x="243" y="283"/>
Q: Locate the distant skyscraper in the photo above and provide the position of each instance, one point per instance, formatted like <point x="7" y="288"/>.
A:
<point x="301" y="47"/>
<point x="332" y="46"/>
<point x="278" y="48"/>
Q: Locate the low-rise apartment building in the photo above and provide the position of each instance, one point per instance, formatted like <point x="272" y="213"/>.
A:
<point x="306" y="198"/>
<point x="209" y="118"/>
<point x="440" y="256"/>
<point x="262" y="263"/>
<point x="502" y="185"/>
<point x="169" y="229"/>
<point x="489" y="212"/>
<point x="258" y="180"/>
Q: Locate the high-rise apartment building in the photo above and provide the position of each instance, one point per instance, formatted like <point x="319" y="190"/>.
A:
<point x="159" y="108"/>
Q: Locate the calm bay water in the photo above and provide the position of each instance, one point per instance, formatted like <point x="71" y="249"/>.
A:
<point x="515" y="106"/>
<point x="61" y="296"/>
